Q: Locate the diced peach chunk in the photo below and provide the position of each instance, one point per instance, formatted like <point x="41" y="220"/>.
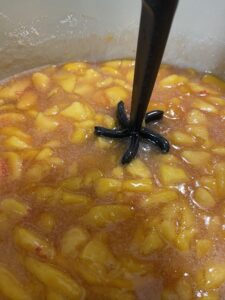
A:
<point x="14" y="89"/>
<point x="137" y="185"/>
<point x="170" y="175"/>
<point x="196" y="158"/>
<point x="46" y="123"/>
<point x="182" y="139"/>
<point x="212" y="276"/>
<point x="27" y="100"/>
<point x="103" y="215"/>
<point x="204" y="106"/>
<point x="106" y="186"/>
<point x="195" y="116"/>
<point x="15" y="143"/>
<point x="203" y="247"/>
<point x="41" y="81"/>
<point x="173" y="80"/>
<point x="215" y="81"/>
<point x="203" y="198"/>
<point x="220" y="178"/>
<point x="78" y="111"/>
<point x="137" y="168"/>
<point x="116" y="94"/>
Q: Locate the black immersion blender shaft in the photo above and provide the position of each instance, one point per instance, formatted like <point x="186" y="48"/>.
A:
<point x="156" y="20"/>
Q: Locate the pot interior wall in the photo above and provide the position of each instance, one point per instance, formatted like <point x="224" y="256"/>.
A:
<point x="35" y="33"/>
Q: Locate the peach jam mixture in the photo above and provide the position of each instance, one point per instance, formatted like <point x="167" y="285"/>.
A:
<point x="76" y="224"/>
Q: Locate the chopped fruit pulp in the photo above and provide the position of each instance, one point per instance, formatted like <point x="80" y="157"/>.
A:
<point x="75" y="224"/>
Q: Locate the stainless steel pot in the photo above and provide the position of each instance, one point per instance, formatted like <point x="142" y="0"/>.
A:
<point x="35" y="33"/>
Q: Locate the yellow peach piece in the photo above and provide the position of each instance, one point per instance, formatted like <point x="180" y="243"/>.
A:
<point x="91" y="176"/>
<point x="7" y="107"/>
<point x="72" y="183"/>
<point x="106" y="186"/>
<point x="78" y="111"/>
<point x="216" y="100"/>
<point x="203" y="247"/>
<point x="71" y="198"/>
<point x="167" y="230"/>
<point x="12" y="117"/>
<point x="47" y="193"/>
<point x="204" y="106"/>
<point x="215" y="81"/>
<point x="92" y="273"/>
<point x="137" y="185"/>
<point x="173" y="80"/>
<point x="199" y="131"/>
<point x="212" y="276"/>
<point x="75" y="66"/>
<point x="15" y="143"/>
<point x="37" y="172"/>
<point x="219" y="150"/>
<point x="137" y="168"/>
<point x="32" y="113"/>
<point x="199" y="89"/>
<point x="27" y="100"/>
<point x="151" y="243"/>
<point x="127" y="63"/>
<point x="11" y="206"/>
<point x="210" y="295"/>
<point x="118" y="172"/>
<point x="220" y="178"/>
<point x="104" y="82"/>
<point x="182" y="139"/>
<point x="15" y="163"/>
<point x="79" y="136"/>
<point x="209" y="182"/>
<point x="103" y="143"/>
<point x="196" y="158"/>
<point x="195" y="116"/>
<point x="52" y="111"/>
<point x="73" y="240"/>
<point x="170" y="175"/>
<point x="103" y="215"/>
<point x="66" y="80"/>
<point x="110" y="70"/>
<point x="184" y="290"/>
<point x="91" y="75"/>
<point x="9" y="131"/>
<point x="84" y="89"/>
<point x="108" y="121"/>
<point x="41" y="81"/>
<point x="169" y="158"/>
<point x="184" y="239"/>
<point x="87" y="124"/>
<point x="116" y="94"/>
<point x="45" y="153"/>
<point x="14" y="89"/>
<point x="160" y="197"/>
<point x="98" y="252"/>
<point x="55" y="279"/>
<point x="203" y="198"/>
<point x="10" y="287"/>
<point x="45" y="123"/>
<point x="32" y="243"/>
